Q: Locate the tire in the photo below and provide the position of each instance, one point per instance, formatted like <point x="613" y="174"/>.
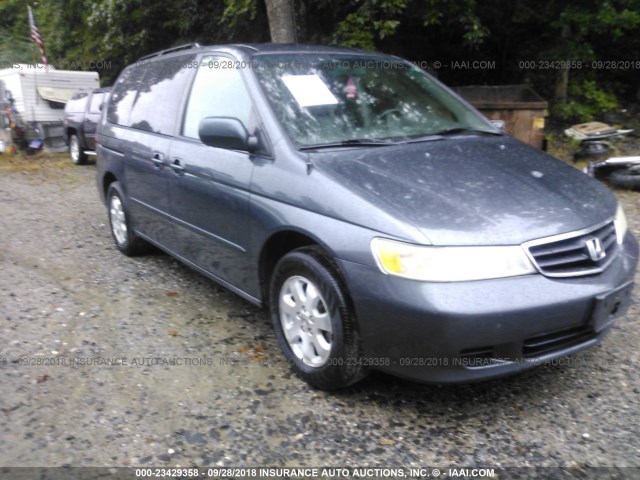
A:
<point x="313" y="321"/>
<point x="125" y="239"/>
<point x="628" y="178"/>
<point x="78" y="157"/>
<point x="592" y="150"/>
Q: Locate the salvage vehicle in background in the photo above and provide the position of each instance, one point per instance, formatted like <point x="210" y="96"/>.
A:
<point x="384" y="222"/>
<point x="623" y="172"/>
<point x="81" y="116"/>
<point x="39" y="95"/>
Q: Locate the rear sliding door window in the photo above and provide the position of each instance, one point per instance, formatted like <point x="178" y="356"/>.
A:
<point x="124" y="94"/>
<point x="157" y="107"/>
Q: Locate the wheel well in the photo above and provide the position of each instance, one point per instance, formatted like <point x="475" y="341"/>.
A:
<point x="71" y="131"/>
<point x="273" y="250"/>
<point x="277" y="247"/>
<point x="107" y="180"/>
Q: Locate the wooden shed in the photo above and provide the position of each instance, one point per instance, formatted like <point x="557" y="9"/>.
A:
<point x="519" y="106"/>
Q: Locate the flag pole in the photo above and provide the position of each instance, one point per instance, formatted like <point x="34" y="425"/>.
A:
<point x="37" y="38"/>
<point x="35" y="62"/>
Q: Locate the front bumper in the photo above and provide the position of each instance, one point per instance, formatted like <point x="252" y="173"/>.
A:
<point x="469" y="331"/>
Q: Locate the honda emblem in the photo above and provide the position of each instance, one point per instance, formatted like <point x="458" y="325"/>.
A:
<point x="594" y="247"/>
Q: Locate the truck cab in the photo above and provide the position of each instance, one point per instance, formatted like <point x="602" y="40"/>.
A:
<point x="81" y="116"/>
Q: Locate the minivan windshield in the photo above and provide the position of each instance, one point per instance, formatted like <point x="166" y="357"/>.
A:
<point x="333" y="99"/>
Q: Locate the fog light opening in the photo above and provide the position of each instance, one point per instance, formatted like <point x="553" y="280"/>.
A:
<point x="615" y="308"/>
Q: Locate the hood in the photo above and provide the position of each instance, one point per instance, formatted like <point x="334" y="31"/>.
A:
<point x="470" y="190"/>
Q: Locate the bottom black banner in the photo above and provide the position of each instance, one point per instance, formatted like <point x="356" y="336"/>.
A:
<point x="318" y="473"/>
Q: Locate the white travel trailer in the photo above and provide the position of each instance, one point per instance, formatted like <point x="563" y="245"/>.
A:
<point x="39" y="95"/>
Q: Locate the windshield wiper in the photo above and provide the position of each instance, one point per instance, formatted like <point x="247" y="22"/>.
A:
<point x="432" y="137"/>
<point x="353" y="142"/>
<point x="453" y="130"/>
<point x="376" y="142"/>
<point x="426" y="138"/>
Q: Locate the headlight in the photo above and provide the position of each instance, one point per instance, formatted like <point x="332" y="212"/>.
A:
<point x="621" y="224"/>
<point x="449" y="264"/>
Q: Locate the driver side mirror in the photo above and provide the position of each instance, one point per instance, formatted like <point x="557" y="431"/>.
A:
<point x="499" y="124"/>
<point x="226" y="132"/>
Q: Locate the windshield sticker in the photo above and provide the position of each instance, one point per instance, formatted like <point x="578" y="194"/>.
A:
<point x="309" y="90"/>
<point x="350" y="90"/>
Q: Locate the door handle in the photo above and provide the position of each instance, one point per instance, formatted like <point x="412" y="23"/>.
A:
<point x="177" y="166"/>
<point x="158" y="160"/>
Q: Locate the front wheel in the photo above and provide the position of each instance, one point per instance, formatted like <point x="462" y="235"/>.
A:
<point x="314" y="324"/>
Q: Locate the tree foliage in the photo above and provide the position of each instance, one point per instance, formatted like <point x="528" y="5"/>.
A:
<point x="507" y="32"/>
<point x="15" y="44"/>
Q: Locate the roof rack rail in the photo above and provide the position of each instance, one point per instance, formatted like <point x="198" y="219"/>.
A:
<point x="244" y="45"/>
<point x="186" y="46"/>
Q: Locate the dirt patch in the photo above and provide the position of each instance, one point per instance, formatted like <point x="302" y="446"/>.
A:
<point x="162" y="367"/>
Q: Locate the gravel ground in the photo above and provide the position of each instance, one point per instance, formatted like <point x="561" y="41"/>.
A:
<point x="67" y="293"/>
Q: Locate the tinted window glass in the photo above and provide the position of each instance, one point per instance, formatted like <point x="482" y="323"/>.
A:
<point x="321" y="98"/>
<point x="124" y="94"/>
<point x="96" y="101"/>
<point x="76" y="103"/>
<point x="157" y="107"/>
<point x="217" y="92"/>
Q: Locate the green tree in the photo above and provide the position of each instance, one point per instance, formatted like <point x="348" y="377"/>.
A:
<point x="508" y="32"/>
<point x="15" y="43"/>
<point x="371" y="21"/>
<point x="579" y="26"/>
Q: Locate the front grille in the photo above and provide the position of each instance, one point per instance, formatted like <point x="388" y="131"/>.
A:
<point x="531" y="348"/>
<point x="572" y="254"/>
<point x="549" y="343"/>
<point x="477" y="357"/>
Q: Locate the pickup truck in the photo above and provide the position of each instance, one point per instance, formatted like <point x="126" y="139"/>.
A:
<point x="81" y="116"/>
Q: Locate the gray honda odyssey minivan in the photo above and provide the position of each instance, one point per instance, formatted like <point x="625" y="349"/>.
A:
<point x="381" y="219"/>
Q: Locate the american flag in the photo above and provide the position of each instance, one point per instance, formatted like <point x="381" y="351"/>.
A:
<point x="36" y="37"/>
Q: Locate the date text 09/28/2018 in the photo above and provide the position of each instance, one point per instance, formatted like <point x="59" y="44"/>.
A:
<point x="579" y="65"/>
